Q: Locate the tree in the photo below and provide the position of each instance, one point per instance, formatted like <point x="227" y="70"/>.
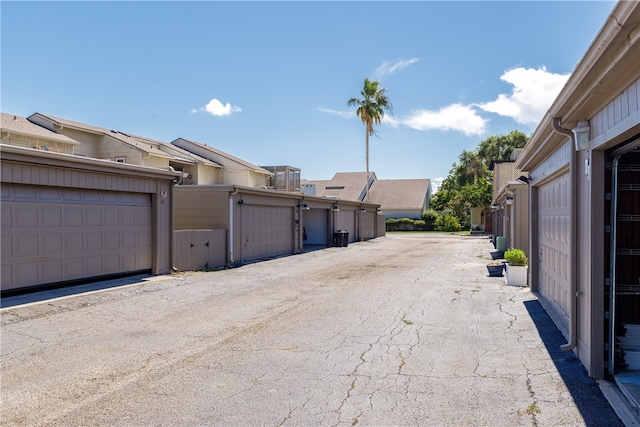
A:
<point x="468" y="184"/>
<point x="500" y="147"/>
<point x="370" y="109"/>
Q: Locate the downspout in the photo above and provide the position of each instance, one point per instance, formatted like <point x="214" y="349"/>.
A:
<point x="231" y="220"/>
<point x="573" y="233"/>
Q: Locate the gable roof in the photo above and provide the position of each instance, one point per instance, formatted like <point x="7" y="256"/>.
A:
<point x="143" y="144"/>
<point x="400" y="193"/>
<point x="216" y="155"/>
<point x="343" y="185"/>
<point x="20" y="125"/>
<point x="61" y="123"/>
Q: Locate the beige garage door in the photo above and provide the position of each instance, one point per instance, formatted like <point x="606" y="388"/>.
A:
<point x="54" y="234"/>
<point x="266" y="231"/>
<point x="554" y="200"/>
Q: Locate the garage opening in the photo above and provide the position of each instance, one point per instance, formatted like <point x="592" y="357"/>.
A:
<point x="622" y="295"/>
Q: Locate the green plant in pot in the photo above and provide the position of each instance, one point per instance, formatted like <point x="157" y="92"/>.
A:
<point x="516" y="257"/>
<point x="516" y="267"/>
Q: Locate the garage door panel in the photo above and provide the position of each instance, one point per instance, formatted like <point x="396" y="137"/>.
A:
<point x="26" y="245"/>
<point x="7" y="243"/>
<point x="72" y="216"/>
<point x="52" y="234"/>
<point x="93" y="265"/>
<point x="51" y="243"/>
<point x="25" y="216"/>
<point x="73" y="268"/>
<point x="51" y="271"/>
<point x="554" y="201"/>
<point x="26" y="274"/>
<point x="266" y="231"/>
<point x="73" y="242"/>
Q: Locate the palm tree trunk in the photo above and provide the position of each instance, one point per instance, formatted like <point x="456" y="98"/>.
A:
<point x="366" y="185"/>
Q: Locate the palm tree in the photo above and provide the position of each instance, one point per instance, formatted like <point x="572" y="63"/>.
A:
<point x="370" y="110"/>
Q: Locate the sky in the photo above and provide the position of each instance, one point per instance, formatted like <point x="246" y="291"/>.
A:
<point x="269" y="82"/>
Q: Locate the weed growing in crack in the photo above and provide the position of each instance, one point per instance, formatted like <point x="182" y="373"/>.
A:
<point x="532" y="409"/>
<point x="407" y="322"/>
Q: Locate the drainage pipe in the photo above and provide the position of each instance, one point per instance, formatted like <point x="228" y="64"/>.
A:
<point x="231" y="222"/>
<point x="573" y="234"/>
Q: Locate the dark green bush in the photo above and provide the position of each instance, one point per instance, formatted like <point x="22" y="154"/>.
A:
<point x="447" y="223"/>
<point x="429" y="217"/>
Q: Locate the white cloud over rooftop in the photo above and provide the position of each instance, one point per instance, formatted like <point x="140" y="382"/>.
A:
<point x="534" y="90"/>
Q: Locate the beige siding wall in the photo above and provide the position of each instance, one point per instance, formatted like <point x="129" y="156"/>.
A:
<point x="625" y="107"/>
<point x="38" y="144"/>
<point x="236" y="176"/>
<point x="65" y="177"/>
<point x="520" y="221"/>
<point x="257" y="179"/>
<point x="208" y="175"/>
<point x="110" y="149"/>
<point x="88" y="142"/>
<point x="201" y="208"/>
<point x="155" y="162"/>
<point x="502" y="173"/>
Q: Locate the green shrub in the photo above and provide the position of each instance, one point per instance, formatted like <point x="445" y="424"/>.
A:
<point x="429" y="217"/>
<point x="447" y="223"/>
<point x="404" y="224"/>
<point x="516" y="257"/>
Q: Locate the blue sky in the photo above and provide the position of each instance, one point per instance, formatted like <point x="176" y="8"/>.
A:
<point x="269" y="81"/>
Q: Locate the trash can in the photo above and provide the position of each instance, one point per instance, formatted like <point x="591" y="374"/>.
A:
<point x="501" y="243"/>
<point x="341" y="238"/>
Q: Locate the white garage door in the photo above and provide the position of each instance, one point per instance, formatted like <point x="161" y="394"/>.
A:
<point x="554" y="202"/>
<point x="54" y="234"/>
<point x="266" y="231"/>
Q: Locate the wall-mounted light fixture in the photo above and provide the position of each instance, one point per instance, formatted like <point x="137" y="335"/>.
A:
<point x="304" y="207"/>
<point x="240" y="202"/>
<point x="335" y="208"/>
<point x="509" y="200"/>
<point x="363" y="210"/>
<point x="581" y="135"/>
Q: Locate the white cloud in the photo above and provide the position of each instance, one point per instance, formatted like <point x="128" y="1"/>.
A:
<point x="534" y="90"/>
<point x="435" y="184"/>
<point x="217" y="108"/>
<point x="343" y="113"/>
<point x="387" y="69"/>
<point x="458" y="117"/>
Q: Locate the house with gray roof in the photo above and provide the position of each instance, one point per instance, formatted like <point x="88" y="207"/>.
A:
<point x="398" y="198"/>
<point x="19" y="131"/>
<point x="235" y="170"/>
<point x="122" y="147"/>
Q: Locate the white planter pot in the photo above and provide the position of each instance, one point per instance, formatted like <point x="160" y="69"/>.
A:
<point x="516" y="275"/>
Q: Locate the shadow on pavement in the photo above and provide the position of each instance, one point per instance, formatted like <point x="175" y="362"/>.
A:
<point x="592" y="404"/>
<point x="64" y="291"/>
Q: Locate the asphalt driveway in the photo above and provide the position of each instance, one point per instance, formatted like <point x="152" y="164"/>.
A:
<point x="400" y="330"/>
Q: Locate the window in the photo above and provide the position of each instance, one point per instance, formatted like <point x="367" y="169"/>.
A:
<point x="120" y="160"/>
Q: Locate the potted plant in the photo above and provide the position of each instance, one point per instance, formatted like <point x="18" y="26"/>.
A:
<point x="516" y="267"/>
<point x="495" y="268"/>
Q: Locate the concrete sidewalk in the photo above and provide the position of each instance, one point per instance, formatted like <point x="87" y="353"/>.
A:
<point x="401" y="330"/>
